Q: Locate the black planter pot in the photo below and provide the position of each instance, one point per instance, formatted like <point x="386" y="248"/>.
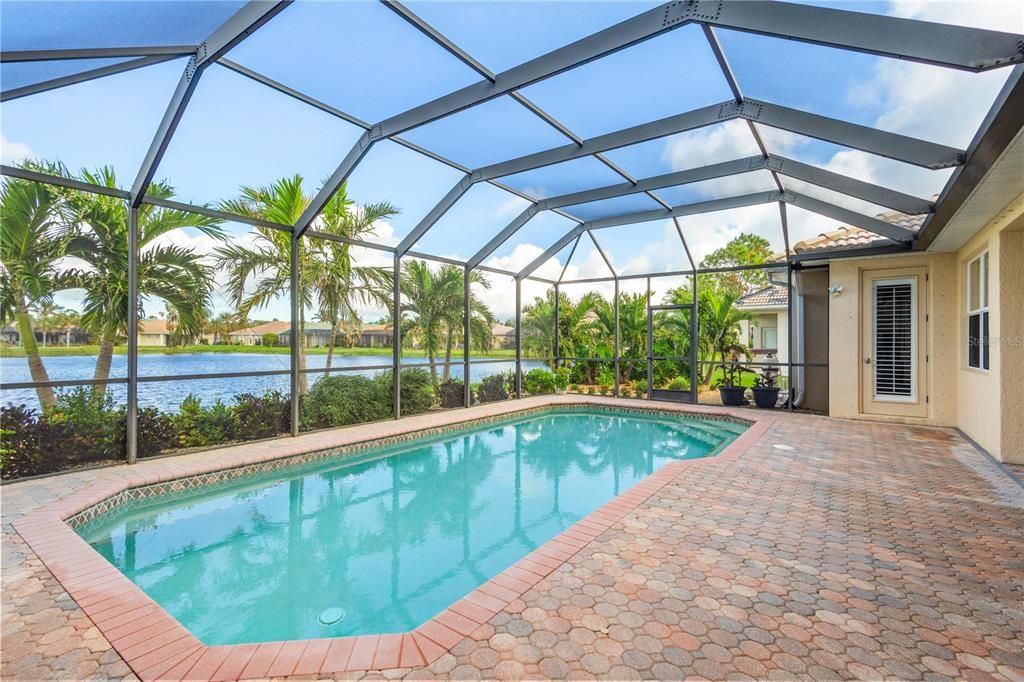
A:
<point x="733" y="396"/>
<point x="766" y="397"/>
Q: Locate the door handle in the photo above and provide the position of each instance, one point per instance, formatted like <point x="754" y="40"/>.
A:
<point x="867" y="361"/>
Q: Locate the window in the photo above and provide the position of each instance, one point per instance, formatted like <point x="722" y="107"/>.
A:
<point x="977" y="312"/>
<point x="895" y="339"/>
<point x="769" y="337"/>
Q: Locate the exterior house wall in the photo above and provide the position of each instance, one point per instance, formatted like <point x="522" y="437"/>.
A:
<point x="777" y="319"/>
<point x="988" y="406"/>
<point x="152" y="339"/>
<point x="846" y="354"/>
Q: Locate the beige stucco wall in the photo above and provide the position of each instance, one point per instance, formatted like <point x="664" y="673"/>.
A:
<point x="845" y="330"/>
<point x="778" y="319"/>
<point x="988" y="405"/>
<point x="1011" y="343"/>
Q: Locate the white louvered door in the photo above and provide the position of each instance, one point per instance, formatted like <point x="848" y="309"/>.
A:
<point x="892" y="344"/>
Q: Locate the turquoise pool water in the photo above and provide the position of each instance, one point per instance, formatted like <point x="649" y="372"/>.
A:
<point x="386" y="540"/>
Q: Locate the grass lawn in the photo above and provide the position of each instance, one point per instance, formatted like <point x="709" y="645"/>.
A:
<point x="53" y="351"/>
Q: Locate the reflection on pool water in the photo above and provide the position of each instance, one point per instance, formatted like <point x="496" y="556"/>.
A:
<point x="384" y="541"/>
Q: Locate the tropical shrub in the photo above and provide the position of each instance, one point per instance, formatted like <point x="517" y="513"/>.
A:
<point x="496" y="387"/>
<point x="32" y="445"/>
<point x="451" y="393"/>
<point x="605" y="379"/>
<point x="678" y="384"/>
<point x="96" y="432"/>
<point x="640" y="387"/>
<point x="269" y="339"/>
<point x="417" y="393"/>
<point x="197" y="426"/>
<point x="539" y="381"/>
<point x="261" y="416"/>
<point x="155" y="431"/>
<point x="345" y="399"/>
<point x="562" y="378"/>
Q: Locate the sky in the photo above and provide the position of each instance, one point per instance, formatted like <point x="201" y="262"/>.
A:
<point x="363" y="59"/>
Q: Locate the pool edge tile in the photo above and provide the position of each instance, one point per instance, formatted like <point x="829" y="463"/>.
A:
<point x="170" y="651"/>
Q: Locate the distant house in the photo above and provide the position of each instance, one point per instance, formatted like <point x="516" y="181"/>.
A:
<point x="375" y="336"/>
<point x="504" y="336"/>
<point x="153" y="331"/>
<point x="253" y="336"/>
<point x="316" y="335"/>
<point x="768" y="333"/>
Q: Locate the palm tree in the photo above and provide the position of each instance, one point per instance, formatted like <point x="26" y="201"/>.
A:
<point x="435" y="299"/>
<point x="32" y="242"/>
<point x="578" y="324"/>
<point x="327" y="278"/>
<point x="721" y="323"/>
<point x="47" y="314"/>
<point x="175" y="274"/>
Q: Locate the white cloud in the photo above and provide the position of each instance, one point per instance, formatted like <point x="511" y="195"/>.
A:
<point x="14" y="152"/>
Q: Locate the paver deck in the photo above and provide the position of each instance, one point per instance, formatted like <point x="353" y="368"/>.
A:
<point x="867" y="550"/>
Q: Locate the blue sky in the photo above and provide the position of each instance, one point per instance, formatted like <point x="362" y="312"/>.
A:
<point x="363" y="59"/>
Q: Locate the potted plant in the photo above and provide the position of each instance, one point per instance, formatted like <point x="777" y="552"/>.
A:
<point x="729" y="388"/>
<point x="561" y="380"/>
<point x="766" y="393"/>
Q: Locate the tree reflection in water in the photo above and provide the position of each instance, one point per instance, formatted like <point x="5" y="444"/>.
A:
<point x="392" y="539"/>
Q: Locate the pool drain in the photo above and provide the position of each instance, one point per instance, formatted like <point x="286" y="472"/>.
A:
<point x="331" y="616"/>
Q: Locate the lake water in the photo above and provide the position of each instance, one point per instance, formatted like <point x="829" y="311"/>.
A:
<point x="167" y="395"/>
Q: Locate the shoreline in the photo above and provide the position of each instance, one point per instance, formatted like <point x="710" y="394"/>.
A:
<point x="92" y="351"/>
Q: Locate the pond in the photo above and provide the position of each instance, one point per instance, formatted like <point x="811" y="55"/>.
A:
<point x="167" y="395"/>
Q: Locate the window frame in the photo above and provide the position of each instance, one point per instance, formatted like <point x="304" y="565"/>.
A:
<point x="981" y="312"/>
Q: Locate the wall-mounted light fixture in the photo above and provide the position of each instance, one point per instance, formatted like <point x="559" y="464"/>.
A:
<point x="835" y="290"/>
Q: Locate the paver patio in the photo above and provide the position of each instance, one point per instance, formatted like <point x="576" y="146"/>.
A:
<point x="866" y="551"/>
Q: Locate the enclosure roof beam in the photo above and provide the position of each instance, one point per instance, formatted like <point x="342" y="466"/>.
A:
<point x="957" y="47"/>
<point x="645" y="216"/>
<point x="83" y="76"/>
<point x="243" y="23"/>
<point x="817" y="176"/>
<point x="629" y="32"/>
<point x="872" y="33"/>
<point x="883" y="143"/>
<point x="604" y="256"/>
<point x="845" y="215"/>
<point x="9" y="56"/>
<point x="435" y="214"/>
<point x="61" y="181"/>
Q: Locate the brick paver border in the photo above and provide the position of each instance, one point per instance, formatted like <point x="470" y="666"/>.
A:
<point x="156" y="646"/>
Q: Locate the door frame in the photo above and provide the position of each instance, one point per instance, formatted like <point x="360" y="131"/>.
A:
<point x="917" y="406"/>
<point x="691" y="395"/>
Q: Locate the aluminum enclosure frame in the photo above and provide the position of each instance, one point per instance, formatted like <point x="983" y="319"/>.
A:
<point x="954" y="47"/>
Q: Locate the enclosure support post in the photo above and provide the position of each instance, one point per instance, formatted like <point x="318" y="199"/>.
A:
<point x="396" y="339"/>
<point x="519" y="338"/>
<point x="558" y="346"/>
<point x="694" y="355"/>
<point x="296" y="333"/>
<point x="789" y="333"/>
<point x="650" y="345"/>
<point x="467" y="393"/>
<point x="616" y="348"/>
<point x="132" y="412"/>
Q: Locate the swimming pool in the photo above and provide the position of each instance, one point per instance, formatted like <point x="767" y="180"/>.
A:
<point x="381" y="541"/>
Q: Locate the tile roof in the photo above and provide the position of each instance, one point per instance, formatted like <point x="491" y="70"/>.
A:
<point x="275" y="327"/>
<point x="153" y="325"/>
<point x="774" y="295"/>
<point x="848" y="237"/>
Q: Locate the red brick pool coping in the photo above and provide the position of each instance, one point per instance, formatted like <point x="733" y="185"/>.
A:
<point x="156" y="646"/>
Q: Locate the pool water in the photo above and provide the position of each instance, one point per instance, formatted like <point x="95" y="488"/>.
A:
<point x="384" y="541"/>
